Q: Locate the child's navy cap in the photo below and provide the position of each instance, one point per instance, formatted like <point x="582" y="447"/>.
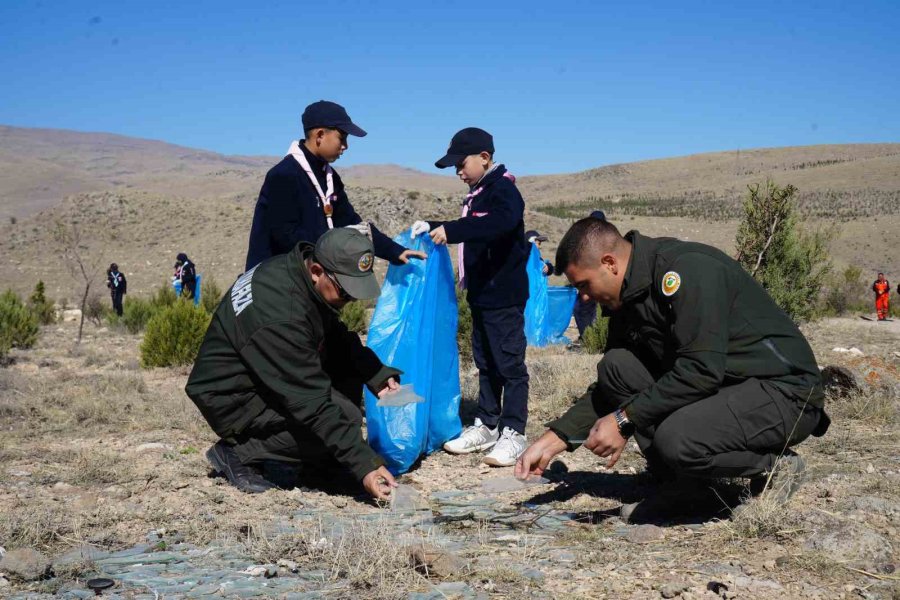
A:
<point x="532" y="235"/>
<point x="470" y="140"/>
<point x="330" y="114"/>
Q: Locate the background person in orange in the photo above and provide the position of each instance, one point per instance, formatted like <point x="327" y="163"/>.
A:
<point x="882" y="290"/>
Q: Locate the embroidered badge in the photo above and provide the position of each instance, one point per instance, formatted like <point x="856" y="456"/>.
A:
<point x="365" y="262"/>
<point x="670" y="283"/>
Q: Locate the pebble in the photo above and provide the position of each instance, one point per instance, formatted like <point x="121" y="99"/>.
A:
<point x="152" y="446"/>
<point x="645" y="534"/>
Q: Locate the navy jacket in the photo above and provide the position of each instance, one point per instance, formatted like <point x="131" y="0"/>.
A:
<point x="495" y="251"/>
<point x="289" y="211"/>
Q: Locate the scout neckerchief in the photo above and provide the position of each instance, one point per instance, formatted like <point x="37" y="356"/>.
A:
<point x="466" y="207"/>
<point x="326" y="197"/>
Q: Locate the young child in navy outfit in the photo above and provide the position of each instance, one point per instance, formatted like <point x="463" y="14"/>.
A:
<point x="493" y="255"/>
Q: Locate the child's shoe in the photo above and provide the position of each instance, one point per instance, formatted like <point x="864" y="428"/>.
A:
<point x="474" y="438"/>
<point x="509" y="447"/>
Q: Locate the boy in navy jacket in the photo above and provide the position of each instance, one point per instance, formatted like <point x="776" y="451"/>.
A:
<point x="493" y="256"/>
<point x="303" y="197"/>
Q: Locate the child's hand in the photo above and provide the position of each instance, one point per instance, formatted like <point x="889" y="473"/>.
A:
<point x="439" y="236"/>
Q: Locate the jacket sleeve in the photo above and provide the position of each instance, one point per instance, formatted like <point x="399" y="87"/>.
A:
<point x="361" y="359"/>
<point x="284" y="212"/>
<point x="504" y="212"/>
<point x="345" y="214"/>
<point x="284" y="357"/>
<point x="699" y="311"/>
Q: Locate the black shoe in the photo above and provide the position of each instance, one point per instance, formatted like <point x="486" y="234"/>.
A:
<point x="683" y="499"/>
<point x="225" y="460"/>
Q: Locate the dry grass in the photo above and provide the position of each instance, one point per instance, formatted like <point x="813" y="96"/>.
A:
<point x="368" y="554"/>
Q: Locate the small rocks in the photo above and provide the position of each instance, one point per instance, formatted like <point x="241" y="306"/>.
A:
<point x="645" y="534"/>
<point x="25" y="564"/>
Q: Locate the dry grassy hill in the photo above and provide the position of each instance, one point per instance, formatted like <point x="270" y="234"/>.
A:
<point x="139" y="202"/>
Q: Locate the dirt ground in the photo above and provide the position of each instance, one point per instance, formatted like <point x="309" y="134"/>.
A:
<point x="96" y="452"/>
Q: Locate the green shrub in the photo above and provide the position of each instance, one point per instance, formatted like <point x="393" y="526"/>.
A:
<point x="18" y="325"/>
<point x="174" y="335"/>
<point x="164" y="296"/>
<point x="210" y="295"/>
<point x="136" y="313"/>
<point x="594" y="338"/>
<point x="354" y="316"/>
<point x="790" y="264"/>
<point x="42" y="308"/>
<point x="846" y="292"/>
<point x="464" y="328"/>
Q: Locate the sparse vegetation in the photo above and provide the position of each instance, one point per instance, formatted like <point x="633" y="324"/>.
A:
<point x="210" y="294"/>
<point x="846" y="292"/>
<point x="174" y="335"/>
<point x="789" y="263"/>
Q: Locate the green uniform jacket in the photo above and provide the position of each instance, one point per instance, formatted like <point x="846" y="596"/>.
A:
<point x="699" y="322"/>
<point x="265" y="347"/>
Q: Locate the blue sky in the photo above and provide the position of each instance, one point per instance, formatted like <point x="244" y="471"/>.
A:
<point x="563" y="86"/>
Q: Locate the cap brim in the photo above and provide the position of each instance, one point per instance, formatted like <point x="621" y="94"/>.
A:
<point x="541" y="238"/>
<point x="449" y="160"/>
<point x="352" y="129"/>
<point x="361" y="288"/>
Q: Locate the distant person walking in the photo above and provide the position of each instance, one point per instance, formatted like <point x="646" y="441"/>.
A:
<point x="303" y="197"/>
<point x="118" y="287"/>
<point x="186" y="273"/>
<point x="882" y="289"/>
<point x="537" y="239"/>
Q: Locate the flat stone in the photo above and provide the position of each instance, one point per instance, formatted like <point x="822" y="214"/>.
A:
<point x="25" y="564"/>
<point x="671" y="589"/>
<point x="645" y="534"/>
<point x="83" y="553"/>
<point x="152" y="446"/>
<point x="852" y="543"/>
<point x="435" y="562"/>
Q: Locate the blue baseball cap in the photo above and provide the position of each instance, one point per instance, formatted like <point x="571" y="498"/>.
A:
<point x="330" y="114"/>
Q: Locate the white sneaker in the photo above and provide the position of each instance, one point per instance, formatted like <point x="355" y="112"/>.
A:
<point x="474" y="438"/>
<point x="509" y="448"/>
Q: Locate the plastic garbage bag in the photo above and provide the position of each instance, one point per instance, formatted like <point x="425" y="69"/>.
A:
<point x="414" y="330"/>
<point x="549" y="308"/>
<point x="176" y="283"/>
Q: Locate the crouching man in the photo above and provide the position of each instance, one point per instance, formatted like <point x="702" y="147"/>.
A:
<point x="279" y="377"/>
<point x="702" y="367"/>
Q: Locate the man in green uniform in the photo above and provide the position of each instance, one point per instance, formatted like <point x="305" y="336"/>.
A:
<point x="711" y="377"/>
<point x="279" y="377"/>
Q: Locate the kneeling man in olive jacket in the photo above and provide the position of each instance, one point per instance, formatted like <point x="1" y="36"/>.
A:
<point x="279" y="377"/>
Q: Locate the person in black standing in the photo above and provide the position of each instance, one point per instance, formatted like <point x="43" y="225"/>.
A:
<point x="118" y="287"/>
<point x="303" y="197"/>
<point x="186" y="273"/>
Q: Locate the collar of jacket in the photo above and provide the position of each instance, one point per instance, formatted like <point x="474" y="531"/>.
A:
<point x="639" y="276"/>
<point x="490" y="177"/>
<point x="299" y="272"/>
<point x="315" y="163"/>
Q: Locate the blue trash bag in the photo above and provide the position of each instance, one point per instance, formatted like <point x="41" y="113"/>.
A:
<point x="560" y="304"/>
<point x="414" y="330"/>
<point x="549" y="308"/>
<point x="177" y="285"/>
<point x="536" y="307"/>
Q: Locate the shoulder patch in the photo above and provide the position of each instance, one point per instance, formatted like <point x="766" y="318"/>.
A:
<point x="671" y="281"/>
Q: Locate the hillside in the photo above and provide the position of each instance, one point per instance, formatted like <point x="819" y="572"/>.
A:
<point x="140" y="202"/>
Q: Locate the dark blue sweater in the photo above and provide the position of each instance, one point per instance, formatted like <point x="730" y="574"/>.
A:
<point x="289" y="211"/>
<point x="495" y="251"/>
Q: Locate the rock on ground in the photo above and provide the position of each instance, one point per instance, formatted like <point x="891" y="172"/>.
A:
<point x="25" y="564"/>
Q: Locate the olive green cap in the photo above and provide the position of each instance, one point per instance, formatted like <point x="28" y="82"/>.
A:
<point x="350" y="257"/>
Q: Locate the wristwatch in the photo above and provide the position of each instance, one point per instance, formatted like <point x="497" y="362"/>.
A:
<point x="626" y="427"/>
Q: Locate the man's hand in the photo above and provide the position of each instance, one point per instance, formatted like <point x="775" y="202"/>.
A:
<point x="439" y="236"/>
<point x="537" y="456"/>
<point x="546" y="269"/>
<point x="408" y="254"/>
<point x="390" y="386"/>
<point x="379" y="483"/>
<point x="605" y="440"/>
<point x="419" y="227"/>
